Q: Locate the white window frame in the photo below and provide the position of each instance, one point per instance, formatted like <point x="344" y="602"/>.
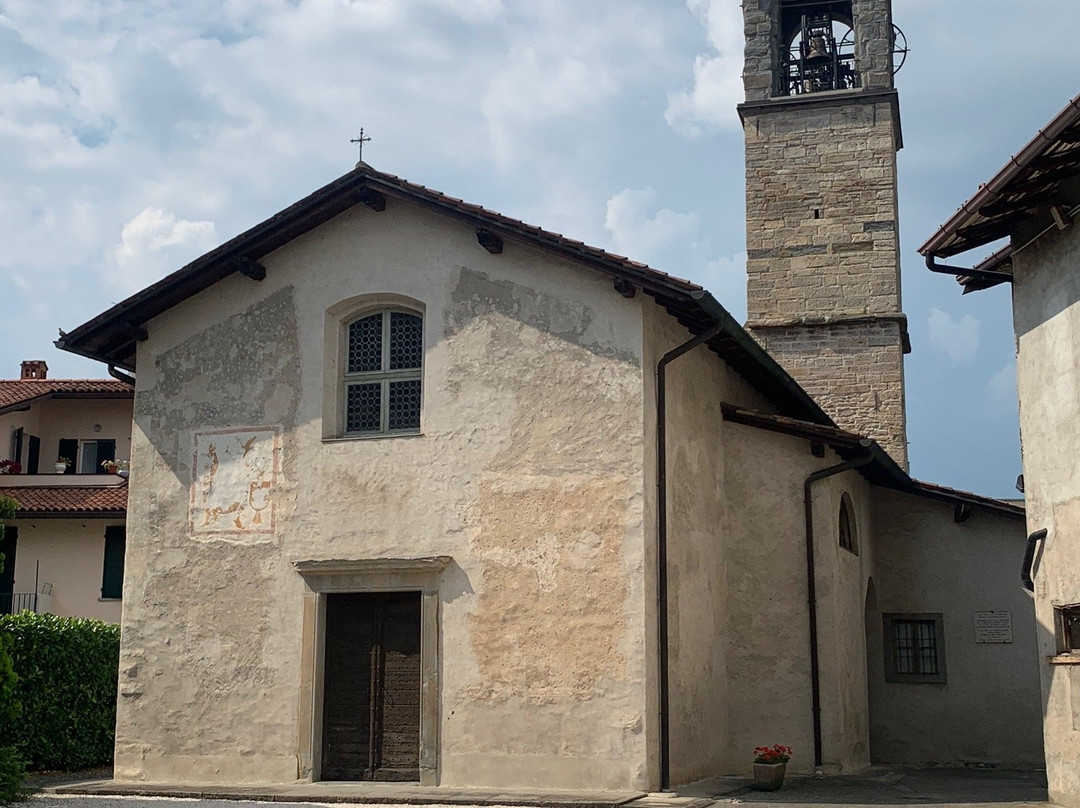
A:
<point x="82" y="451"/>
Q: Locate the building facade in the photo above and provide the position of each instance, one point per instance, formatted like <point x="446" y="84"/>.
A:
<point x="1032" y="204"/>
<point x="405" y="422"/>
<point x="64" y="550"/>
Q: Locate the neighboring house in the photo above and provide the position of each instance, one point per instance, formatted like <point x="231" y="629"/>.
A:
<point x="1033" y="203"/>
<point x="421" y="492"/>
<point x="65" y="548"/>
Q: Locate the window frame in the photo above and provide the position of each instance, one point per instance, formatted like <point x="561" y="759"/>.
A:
<point x="113" y="562"/>
<point x="888" y="621"/>
<point x="96" y="466"/>
<point x="1064" y="617"/>
<point x="336" y="379"/>
<point x="847" y="509"/>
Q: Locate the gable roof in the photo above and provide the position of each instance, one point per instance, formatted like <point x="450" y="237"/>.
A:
<point x="1026" y="193"/>
<point x="68" y="500"/>
<point x="16" y="394"/>
<point x="111" y="336"/>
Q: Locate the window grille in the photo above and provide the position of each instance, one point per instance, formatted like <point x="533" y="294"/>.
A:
<point x="383" y="383"/>
<point x="914" y="648"/>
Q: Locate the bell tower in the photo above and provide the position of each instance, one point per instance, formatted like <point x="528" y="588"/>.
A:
<point x="822" y="128"/>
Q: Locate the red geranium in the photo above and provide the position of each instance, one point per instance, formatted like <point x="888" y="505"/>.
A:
<point x="10" y="467"/>
<point x="772" y="754"/>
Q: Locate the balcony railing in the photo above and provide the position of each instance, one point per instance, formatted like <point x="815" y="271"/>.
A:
<point x="13" y="603"/>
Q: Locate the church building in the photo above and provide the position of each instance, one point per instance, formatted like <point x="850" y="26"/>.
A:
<point x="420" y="492"/>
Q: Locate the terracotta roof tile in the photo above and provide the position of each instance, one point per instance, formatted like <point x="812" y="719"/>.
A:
<point x="82" y="500"/>
<point x="14" y="392"/>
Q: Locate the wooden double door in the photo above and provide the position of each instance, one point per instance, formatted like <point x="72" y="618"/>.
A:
<point x="371" y="688"/>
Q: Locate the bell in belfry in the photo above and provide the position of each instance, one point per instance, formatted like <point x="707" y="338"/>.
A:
<point x="818" y="48"/>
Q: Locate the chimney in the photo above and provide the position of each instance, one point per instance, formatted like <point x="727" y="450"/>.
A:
<point x="34" y="369"/>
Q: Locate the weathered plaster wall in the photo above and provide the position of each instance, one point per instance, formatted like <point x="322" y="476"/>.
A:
<point x="768" y="635"/>
<point x="841" y="582"/>
<point x="988" y="709"/>
<point x="697" y="384"/>
<point x="528" y="474"/>
<point x="69" y="554"/>
<point x="1047" y="320"/>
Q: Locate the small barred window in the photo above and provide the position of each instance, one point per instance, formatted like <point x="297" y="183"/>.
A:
<point x="914" y="648"/>
<point x="382" y="390"/>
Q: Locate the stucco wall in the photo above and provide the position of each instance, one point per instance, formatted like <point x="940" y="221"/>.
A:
<point x="768" y="637"/>
<point x="988" y="709"/>
<point x="697" y="384"/>
<point x="528" y="474"/>
<point x="1047" y="321"/>
<point x="68" y="554"/>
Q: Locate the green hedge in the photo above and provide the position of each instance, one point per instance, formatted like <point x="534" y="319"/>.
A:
<point x="67" y="670"/>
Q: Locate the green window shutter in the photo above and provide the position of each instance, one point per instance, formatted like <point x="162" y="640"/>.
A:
<point x="69" y="448"/>
<point x="106" y="450"/>
<point x="112" y="573"/>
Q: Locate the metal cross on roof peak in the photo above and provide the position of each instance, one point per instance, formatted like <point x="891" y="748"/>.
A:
<point x="360" y="141"/>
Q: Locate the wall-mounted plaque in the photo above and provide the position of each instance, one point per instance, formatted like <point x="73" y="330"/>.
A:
<point x="993" y="627"/>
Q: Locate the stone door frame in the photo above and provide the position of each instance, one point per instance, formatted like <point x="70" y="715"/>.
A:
<point x="324" y="577"/>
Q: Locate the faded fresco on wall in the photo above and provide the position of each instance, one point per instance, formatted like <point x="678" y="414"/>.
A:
<point x="232" y="488"/>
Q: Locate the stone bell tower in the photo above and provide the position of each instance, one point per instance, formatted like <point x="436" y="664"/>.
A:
<point x="822" y="127"/>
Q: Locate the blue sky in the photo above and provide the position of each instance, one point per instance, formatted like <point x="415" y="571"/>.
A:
<point x="135" y="135"/>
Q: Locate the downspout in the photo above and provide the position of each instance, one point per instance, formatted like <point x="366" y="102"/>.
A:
<point x="120" y="376"/>
<point x="978" y="274"/>
<point x="1029" y="559"/>
<point x="661" y="544"/>
<point x="811" y="589"/>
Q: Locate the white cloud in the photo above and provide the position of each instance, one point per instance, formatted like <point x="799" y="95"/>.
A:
<point x="534" y="86"/>
<point x="640" y="231"/>
<point x="154" y="243"/>
<point x="959" y="339"/>
<point x="710" y="103"/>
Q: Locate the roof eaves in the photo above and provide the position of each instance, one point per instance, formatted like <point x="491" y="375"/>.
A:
<point x="693" y="303"/>
<point x="946" y="240"/>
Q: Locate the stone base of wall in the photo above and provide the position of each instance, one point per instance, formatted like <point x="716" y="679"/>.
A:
<point x="855" y="371"/>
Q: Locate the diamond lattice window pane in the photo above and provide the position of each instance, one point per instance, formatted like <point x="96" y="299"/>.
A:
<point x="404" y="405"/>
<point x="406" y="340"/>
<point x="362" y="406"/>
<point x="365" y="344"/>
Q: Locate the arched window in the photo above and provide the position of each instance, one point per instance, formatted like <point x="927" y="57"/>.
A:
<point x="849" y="539"/>
<point x="381" y="383"/>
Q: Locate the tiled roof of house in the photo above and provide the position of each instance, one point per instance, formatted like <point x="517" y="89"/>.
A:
<point x="82" y="500"/>
<point x="16" y="393"/>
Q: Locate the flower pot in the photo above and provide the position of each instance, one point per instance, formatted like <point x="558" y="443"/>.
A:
<point x="769" y="776"/>
<point x="59" y="468"/>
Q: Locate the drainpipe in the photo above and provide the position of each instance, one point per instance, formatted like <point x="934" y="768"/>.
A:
<point x="811" y="587"/>
<point x="120" y="376"/>
<point x="661" y="544"/>
<point x="1029" y="559"/>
